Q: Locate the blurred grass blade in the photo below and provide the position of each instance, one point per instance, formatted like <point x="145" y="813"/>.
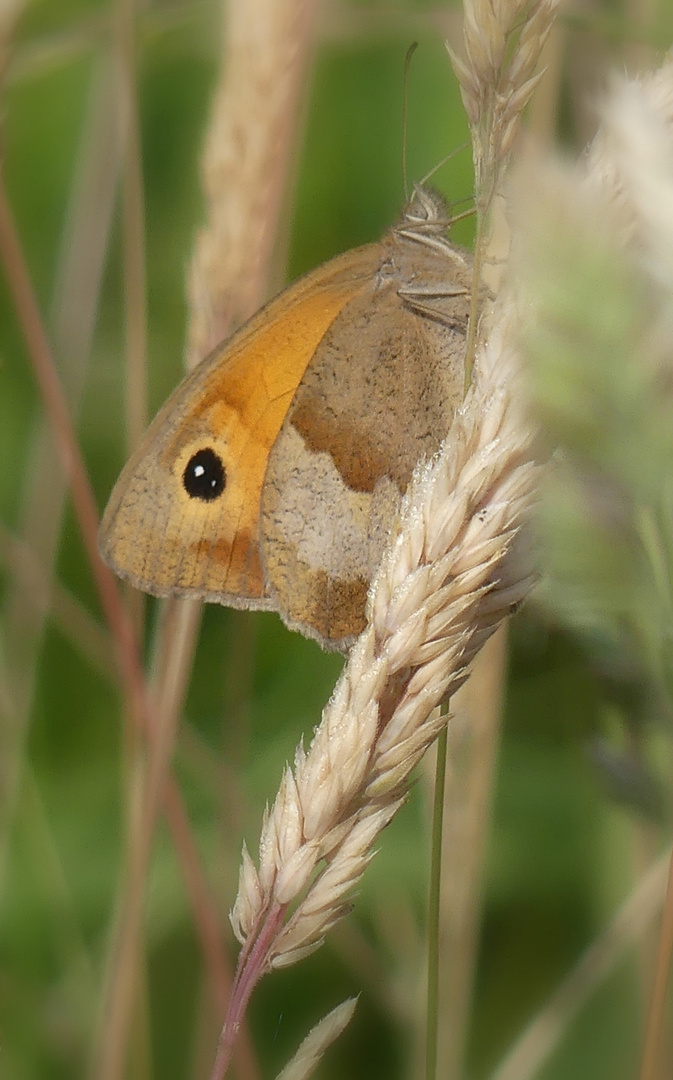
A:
<point x="473" y="738"/>
<point x="68" y="614"/>
<point x="546" y="1030"/>
<point x="78" y="277"/>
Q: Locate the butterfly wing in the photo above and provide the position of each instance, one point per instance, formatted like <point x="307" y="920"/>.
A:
<point x="379" y="394"/>
<point x="183" y="518"/>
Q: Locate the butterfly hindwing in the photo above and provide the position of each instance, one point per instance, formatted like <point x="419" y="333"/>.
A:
<point x="380" y="393"/>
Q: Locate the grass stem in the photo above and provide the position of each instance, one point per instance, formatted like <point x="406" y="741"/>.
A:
<point x="433" y="907"/>
<point x="655" y="1018"/>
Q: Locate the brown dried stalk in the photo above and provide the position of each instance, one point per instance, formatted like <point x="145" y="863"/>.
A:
<point x="133" y="224"/>
<point x="10" y="10"/>
<point x="72" y="465"/>
<point x="11" y="254"/>
<point x="473" y="743"/>
<point x="68" y="613"/>
<point x="27" y="601"/>
<point x="245" y="164"/>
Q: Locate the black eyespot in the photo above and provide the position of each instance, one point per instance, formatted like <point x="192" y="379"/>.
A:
<point x="204" y="477"/>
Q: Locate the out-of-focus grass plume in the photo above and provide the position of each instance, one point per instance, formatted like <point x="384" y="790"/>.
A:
<point x="594" y="269"/>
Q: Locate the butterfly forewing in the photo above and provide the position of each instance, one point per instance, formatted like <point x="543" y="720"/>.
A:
<point x="273" y="474"/>
<point x="164" y="532"/>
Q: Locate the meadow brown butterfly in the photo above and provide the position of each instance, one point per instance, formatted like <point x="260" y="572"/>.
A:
<point x="272" y="475"/>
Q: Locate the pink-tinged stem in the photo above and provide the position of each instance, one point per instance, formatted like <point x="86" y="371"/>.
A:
<point x="208" y="924"/>
<point x="252" y="964"/>
<point x="49" y="385"/>
<point x="128" y="659"/>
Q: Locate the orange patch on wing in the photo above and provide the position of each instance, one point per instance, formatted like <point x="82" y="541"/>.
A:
<point x="247" y="399"/>
<point x="240" y="560"/>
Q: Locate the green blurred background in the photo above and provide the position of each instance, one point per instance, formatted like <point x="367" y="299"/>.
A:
<point x="561" y="849"/>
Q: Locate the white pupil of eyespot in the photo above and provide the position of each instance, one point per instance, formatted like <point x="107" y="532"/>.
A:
<point x="199" y="470"/>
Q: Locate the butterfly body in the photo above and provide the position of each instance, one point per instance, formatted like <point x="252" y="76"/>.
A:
<point x="271" y="477"/>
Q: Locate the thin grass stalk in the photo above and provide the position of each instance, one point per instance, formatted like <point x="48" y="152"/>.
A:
<point x="9" y="15"/>
<point x="238" y="680"/>
<point x="119" y="992"/>
<point x="39" y="353"/>
<point x="134" y="260"/>
<point x="48" y="382"/>
<point x="209" y="313"/>
<point x="67" y="612"/>
<point x="124" y="975"/>
<point x="48" y="52"/>
<point x="473" y="316"/>
<point x="644" y="848"/>
<point x="77" y="283"/>
<point x="249" y="961"/>
<point x="473" y="744"/>
<point x="175" y="649"/>
<point x="432" y="997"/>
<point x="655" y="1019"/>
<point x="44" y="851"/>
<point x="133" y="222"/>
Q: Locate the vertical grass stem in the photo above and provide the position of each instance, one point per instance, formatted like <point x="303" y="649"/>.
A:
<point x="432" y="1006"/>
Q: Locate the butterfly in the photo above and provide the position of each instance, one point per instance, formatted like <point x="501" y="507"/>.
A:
<point x="271" y="477"/>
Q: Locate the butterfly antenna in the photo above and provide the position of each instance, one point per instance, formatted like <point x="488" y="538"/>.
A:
<point x="405" y="111"/>
<point x="465" y="199"/>
<point x="438" y="166"/>
<point x="464" y="213"/>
